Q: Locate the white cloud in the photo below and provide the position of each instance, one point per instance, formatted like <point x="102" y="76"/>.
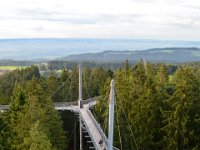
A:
<point x="166" y="19"/>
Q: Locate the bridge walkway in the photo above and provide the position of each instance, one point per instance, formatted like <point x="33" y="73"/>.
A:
<point x="93" y="128"/>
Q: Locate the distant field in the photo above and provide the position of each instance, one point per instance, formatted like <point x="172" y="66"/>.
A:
<point x="171" y="78"/>
<point x="11" y="67"/>
<point x="163" y="51"/>
<point x="197" y="54"/>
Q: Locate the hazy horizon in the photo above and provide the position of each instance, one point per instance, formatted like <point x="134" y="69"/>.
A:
<point x="51" y="48"/>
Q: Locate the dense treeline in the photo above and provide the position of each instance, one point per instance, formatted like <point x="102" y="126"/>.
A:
<point x="157" y="106"/>
<point x="31" y="122"/>
<point x="154" y="110"/>
<point x="8" y="81"/>
<point x="59" y="65"/>
<point x="60" y="88"/>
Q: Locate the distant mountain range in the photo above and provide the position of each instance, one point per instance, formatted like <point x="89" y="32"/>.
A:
<point x="44" y="49"/>
<point x="167" y="55"/>
<point x="156" y="55"/>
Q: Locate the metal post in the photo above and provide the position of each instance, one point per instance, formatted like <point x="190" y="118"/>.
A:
<point x="111" y="115"/>
<point x="80" y="86"/>
<point x="80" y="105"/>
<point x="81" y="134"/>
<point x="75" y="133"/>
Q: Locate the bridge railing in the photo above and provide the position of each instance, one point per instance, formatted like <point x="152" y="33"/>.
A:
<point x="65" y="104"/>
<point x="4" y="107"/>
<point x="105" y="139"/>
<point x="87" y="101"/>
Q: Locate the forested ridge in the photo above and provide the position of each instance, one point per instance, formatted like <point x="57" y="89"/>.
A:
<point x="157" y="106"/>
<point x="156" y="55"/>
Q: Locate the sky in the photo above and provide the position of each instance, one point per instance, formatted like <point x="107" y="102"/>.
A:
<point x="131" y="19"/>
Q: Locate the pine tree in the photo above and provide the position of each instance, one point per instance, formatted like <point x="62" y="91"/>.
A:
<point x="5" y="133"/>
<point x="146" y="115"/>
<point x="162" y="76"/>
<point x="182" y="120"/>
<point x="53" y="84"/>
<point x="64" y="75"/>
<point x="18" y="120"/>
<point x="49" y="117"/>
<point x="38" y="139"/>
<point x="30" y="106"/>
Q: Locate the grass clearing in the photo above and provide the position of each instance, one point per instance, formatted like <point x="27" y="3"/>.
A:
<point x="171" y="77"/>
<point x="12" y="67"/>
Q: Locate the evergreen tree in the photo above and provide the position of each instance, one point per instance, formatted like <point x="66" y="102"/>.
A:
<point x="162" y="76"/>
<point x="145" y="114"/>
<point x="182" y="120"/>
<point x="53" y="85"/>
<point x="64" y="75"/>
<point x="30" y="106"/>
<point x="5" y="134"/>
<point x="38" y="139"/>
<point x="49" y="117"/>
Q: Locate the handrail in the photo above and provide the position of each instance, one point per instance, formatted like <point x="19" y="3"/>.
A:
<point x="75" y="102"/>
<point x="65" y="103"/>
<point x="87" y="101"/>
<point x="4" y="107"/>
<point x="105" y="139"/>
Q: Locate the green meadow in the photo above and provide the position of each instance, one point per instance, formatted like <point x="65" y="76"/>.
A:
<point x="162" y="51"/>
<point x="11" y="67"/>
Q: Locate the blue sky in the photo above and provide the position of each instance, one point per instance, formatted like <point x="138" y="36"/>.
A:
<point x="141" y="19"/>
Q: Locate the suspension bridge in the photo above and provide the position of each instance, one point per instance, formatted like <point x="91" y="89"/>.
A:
<point x="87" y="122"/>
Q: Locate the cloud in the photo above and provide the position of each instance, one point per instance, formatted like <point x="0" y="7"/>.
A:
<point x="39" y="28"/>
<point x="105" y="18"/>
<point x="71" y="18"/>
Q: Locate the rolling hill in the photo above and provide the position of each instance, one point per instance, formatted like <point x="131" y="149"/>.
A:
<point x="167" y="55"/>
<point x="53" y="48"/>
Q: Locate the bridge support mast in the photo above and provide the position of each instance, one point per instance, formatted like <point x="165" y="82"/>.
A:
<point x="80" y="103"/>
<point x="111" y="115"/>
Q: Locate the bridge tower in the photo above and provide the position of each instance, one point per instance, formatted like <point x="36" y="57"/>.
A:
<point x="111" y="115"/>
<point x="80" y="99"/>
<point x="80" y="103"/>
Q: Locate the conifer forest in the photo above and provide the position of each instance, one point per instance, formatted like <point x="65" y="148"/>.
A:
<point x="157" y="106"/>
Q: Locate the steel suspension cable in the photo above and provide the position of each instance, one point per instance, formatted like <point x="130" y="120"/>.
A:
<point x="120" y="139"/>
<point x="62" y="85"/>
<point x="128" y="124"/>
